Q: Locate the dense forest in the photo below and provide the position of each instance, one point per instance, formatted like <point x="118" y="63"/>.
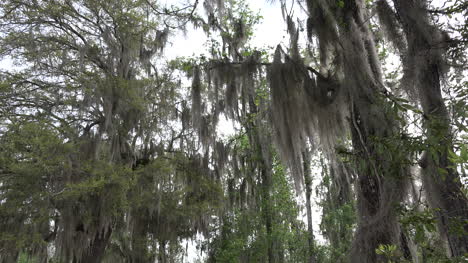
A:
<point x="348" y="142"/>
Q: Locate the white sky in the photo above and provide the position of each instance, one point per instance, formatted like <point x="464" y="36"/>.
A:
<point x="266" y="33"/>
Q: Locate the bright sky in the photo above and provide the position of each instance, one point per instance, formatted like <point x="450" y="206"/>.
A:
<point x="266" y="33"/>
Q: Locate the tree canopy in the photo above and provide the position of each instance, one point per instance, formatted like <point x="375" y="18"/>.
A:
<point x="348" y="142"/>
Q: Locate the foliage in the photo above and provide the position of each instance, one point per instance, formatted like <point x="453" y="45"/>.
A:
<point x="107" y="156"/>
<point x="338" y="220"/>
<point x="243" y="235"/>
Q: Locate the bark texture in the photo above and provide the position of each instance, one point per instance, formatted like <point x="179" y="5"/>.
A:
<point x="381" y="172"/>
<point x="426" y="45"/>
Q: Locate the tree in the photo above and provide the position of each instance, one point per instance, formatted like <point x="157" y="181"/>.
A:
<point x="107" y="156"/>
<point x="89" y="83"/>
<point x="424" y="69"/>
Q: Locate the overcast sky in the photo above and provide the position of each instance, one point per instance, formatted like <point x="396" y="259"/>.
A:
<point x="270" y="32"/>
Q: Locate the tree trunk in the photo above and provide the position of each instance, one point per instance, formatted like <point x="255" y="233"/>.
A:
<point x="162" y="252"/>
<point x="139" y="253"/>
<point x="440" y="180"/>
<point x="97" y="248"/>
<point x="382" y="171"/>
<point x="260" y="137"/>
<point x="381" y="168"/>
<point x="9" y="257"/>
<point x="308" y="186"/>
<point x="266" y="186"/>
